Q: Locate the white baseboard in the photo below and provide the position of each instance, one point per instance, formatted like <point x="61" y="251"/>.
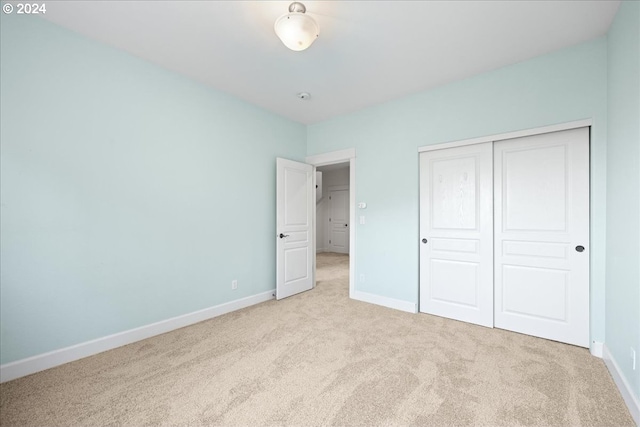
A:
<point x="31" y="365"/>
<point x="596" y="349"/>
<point x="397" y="304"/>
<point x="319" y="251"/>
<point x="632" y="401"/>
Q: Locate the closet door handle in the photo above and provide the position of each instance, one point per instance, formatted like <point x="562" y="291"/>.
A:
<point x="424" y="240"/>
<point x="580" y="248"/>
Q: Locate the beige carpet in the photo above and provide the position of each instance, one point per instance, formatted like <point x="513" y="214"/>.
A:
<point x="319" y="358"/>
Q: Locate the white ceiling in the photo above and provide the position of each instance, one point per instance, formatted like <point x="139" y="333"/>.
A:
<point x="368" y="52"/>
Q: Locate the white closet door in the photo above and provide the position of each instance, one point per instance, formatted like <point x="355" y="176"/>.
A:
<point x="542" y="235"/>
<point x="456" y="226"/>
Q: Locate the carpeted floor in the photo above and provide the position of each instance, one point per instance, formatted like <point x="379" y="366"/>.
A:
<point x="319" y="358"/>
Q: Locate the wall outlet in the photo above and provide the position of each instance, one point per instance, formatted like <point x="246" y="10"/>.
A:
<point x="234" y="284"/>
<point x="362" y="278"/>
<point x="633" y="359"/>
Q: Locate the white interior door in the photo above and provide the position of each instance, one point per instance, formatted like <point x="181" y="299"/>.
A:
<point x="295" y="206"/>
<point x="542" y="235"/>
<point x="339" y="220"/>
<point x="456" y="227"/>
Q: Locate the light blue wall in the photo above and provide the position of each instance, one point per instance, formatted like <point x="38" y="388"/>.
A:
<point x="129" y="194"/>
<point x="560" y="87"/>
<point x="623" y="192"/>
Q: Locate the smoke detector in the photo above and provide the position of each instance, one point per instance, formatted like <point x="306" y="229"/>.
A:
<point x="304" y="95"/>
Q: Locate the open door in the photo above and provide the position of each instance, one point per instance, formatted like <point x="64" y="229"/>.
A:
<point x="295" y="231"/>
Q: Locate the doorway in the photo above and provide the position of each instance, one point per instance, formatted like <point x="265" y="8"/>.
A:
<point x="332" y="208"/>
<point x="335" y="171"/>
<point x="332" y="219"/>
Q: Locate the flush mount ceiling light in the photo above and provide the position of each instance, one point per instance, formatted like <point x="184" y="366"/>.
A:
<point x="296" y="29"/>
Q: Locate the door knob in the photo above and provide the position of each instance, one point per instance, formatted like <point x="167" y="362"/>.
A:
<point x="282" y="236"/>
<point x="346" y="225"/>
<point x="579" y="248"/>
<point x="424" y="240"/>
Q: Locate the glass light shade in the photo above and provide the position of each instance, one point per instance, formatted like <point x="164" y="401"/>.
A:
<point x="297" y="30"/>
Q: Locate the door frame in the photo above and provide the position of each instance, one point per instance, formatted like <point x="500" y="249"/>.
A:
<point x="509" y="135"/>
<point x="332" y="158"/>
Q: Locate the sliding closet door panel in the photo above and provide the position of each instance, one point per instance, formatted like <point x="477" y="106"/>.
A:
<point x="456" y="226"/>
<point x="541" y="188"/>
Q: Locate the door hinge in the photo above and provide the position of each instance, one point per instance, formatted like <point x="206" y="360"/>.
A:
<point x="329" y="241"/>
<point x="329" y="219"/>
<point x="329" y="197"/>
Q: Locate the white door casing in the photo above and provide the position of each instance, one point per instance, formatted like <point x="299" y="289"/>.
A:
<point x="456" y="232"/>
<point x="338" y="220"/>
<point x="541" y="187"/>
<point x="295" y="234"/>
